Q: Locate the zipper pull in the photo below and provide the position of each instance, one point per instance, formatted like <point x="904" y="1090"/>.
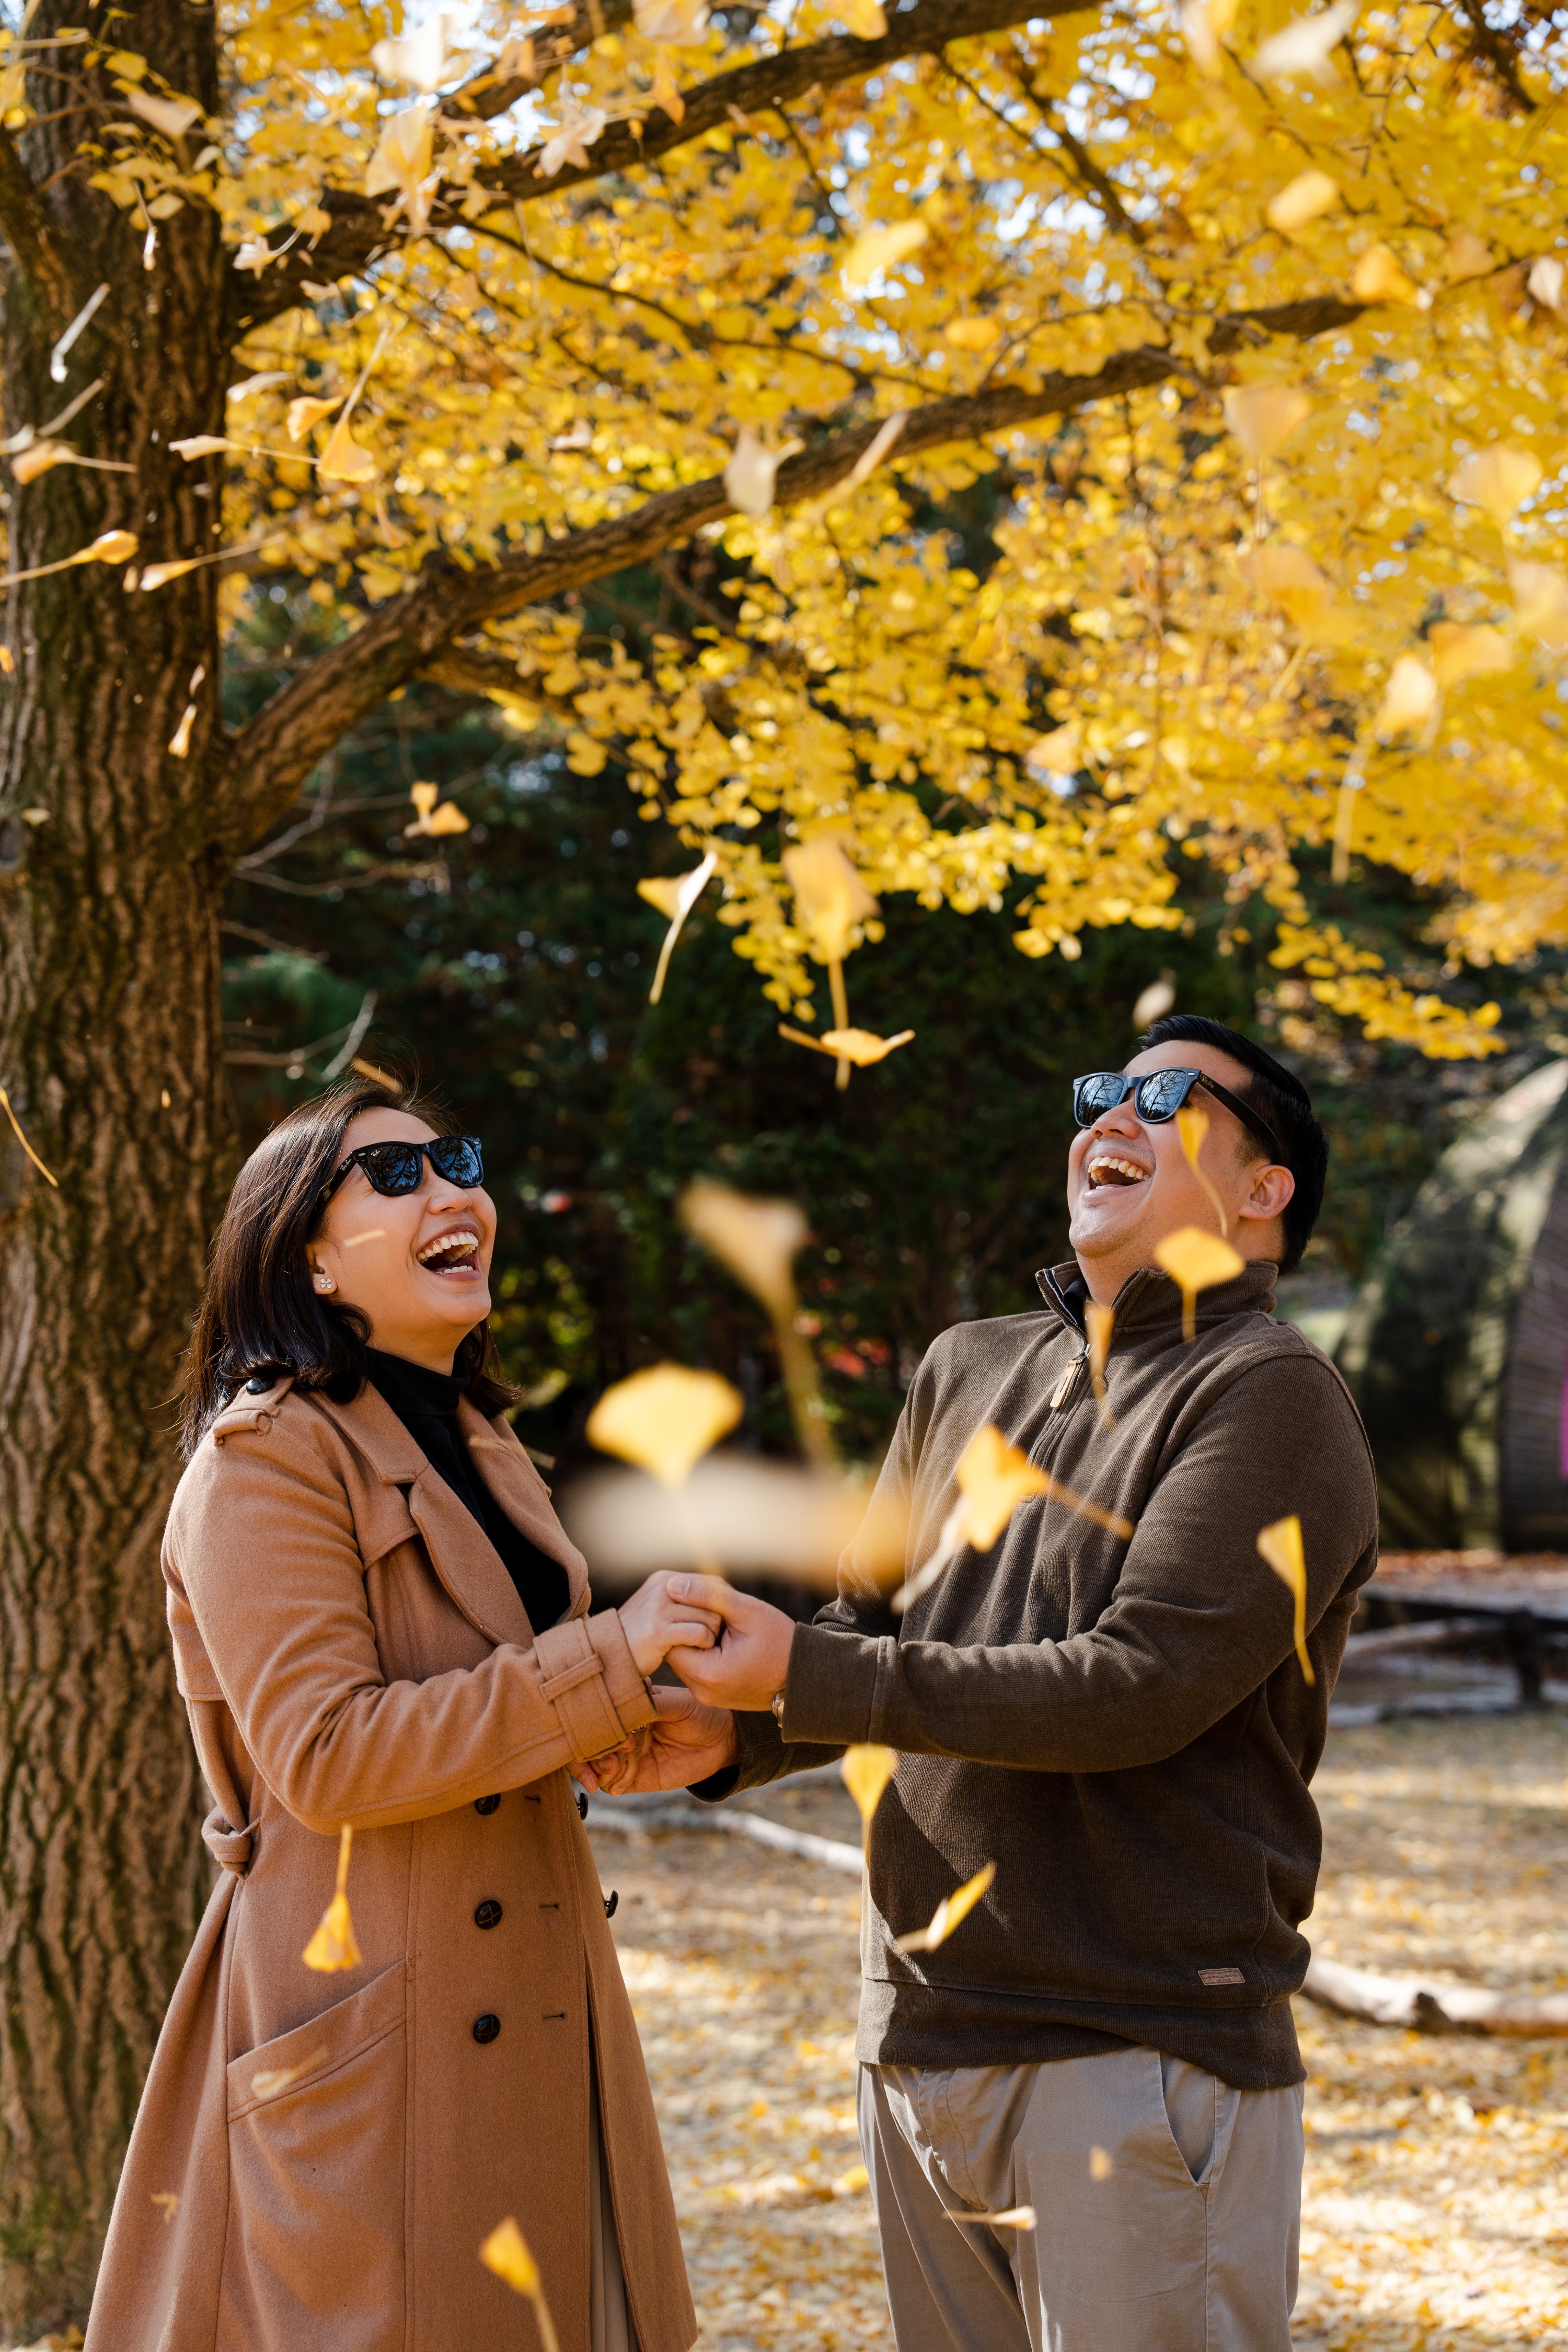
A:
<point x="1061" y="1392"/>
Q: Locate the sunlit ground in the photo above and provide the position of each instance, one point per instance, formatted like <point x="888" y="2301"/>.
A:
<point x="1437" y="2208"/>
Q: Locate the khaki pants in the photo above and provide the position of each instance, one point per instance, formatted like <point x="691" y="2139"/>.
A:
<point x="1185" y="2242"/>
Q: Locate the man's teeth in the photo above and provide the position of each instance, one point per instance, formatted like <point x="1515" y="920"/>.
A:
<point x="1104" y="1167"/>
<point x="451" y="1249"/>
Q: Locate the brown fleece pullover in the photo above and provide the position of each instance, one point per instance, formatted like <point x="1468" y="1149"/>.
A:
<point x="1122" y="1728"/>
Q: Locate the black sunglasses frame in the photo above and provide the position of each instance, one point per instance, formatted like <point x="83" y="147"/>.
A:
<point x="1134" y="1087"/>
<point x="438" y="1148"/>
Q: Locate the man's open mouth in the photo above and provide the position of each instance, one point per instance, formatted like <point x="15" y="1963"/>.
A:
<point x="454" y="1253"/>
<point x="1109" y="1168"/>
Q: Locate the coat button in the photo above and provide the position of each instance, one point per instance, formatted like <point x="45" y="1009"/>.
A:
<point x="488" y="1915"/>
<point x="581" y="1806"/>
<point x="613" y="1903"/>
<point x="486" y="2028"/>
<point x="486" y="1804"/>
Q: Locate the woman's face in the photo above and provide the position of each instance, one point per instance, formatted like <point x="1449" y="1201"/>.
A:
<point x="416" y="1267"/>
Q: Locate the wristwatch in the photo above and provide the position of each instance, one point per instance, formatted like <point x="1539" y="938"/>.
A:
<point x="778" y="1700"/>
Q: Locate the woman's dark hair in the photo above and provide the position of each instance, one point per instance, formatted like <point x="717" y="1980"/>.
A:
<point x="259" y="1313"/>
<point x="1278" y="1096"/>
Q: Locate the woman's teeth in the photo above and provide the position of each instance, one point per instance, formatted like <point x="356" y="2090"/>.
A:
<point x="1103" y="1169"/>
<point x="451" y="1253"/>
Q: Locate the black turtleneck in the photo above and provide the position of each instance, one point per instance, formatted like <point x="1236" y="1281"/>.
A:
<point x="426" y="1403"/>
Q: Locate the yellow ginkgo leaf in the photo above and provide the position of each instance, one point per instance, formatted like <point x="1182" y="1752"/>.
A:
<point x="993" y="1479"/>
<point x="679" y="22"/>
<point x="1304" y="45"/>
<point x="976" y="334"/>
<point x="1264" y="415"/>
<point x="861" y="1047"/>
<point x="1201" y="33"/>
<point x="867" y="1771"/>
<point x="1100" y="2164"/>
<point x="403" y="163"/>
<point x="674" y="895"/>
<point x="830" y="897"/>
<point x="1099" y="1322"/>
<point x="447" y="818"/>
<point x="1408" y="699"/>
<point x="948" y="1913"/>
<point x="664" y="1418"/>
<point x="333" y="1945"/>
<point x="343" y="460"/>
<point x="1458" y="652"/>
<point x="1540" y="603"/>
<point x="1057" y="753"/>
<point x="864" y="18"/>
<point x="757" y="1240"/>
<point x="1192" y="1127"/>
<point x="306" y="412"/>
<point x="1380" y="277"/>
<point x="666" y="90"/>
<point x="1467" y="256"/>
<point x="158" y="575"/>
<point x="880" y="249"/>
<point x="41" y="457"/>
<point x="1305" y="198"/>
<point x="507" y="2253"/>
<point x="1281" y="1547"/>
<point x="1497" y="480"/>
<point x="110" y="547"/>
<point x="1195" y="1261"/>
<point x="425" y="797"/>
<point x="180" y="742"/>
<point x="1287" y="577"/>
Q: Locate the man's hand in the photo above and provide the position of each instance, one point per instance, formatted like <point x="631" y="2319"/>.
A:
<point x="747" y="1666"/>
<point x="686" y="1743"/>
<point x="659" y="1616"/>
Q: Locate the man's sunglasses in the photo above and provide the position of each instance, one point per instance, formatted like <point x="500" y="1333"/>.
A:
<point x="1157" y="1096"/>
<point x="396" y="1168"/>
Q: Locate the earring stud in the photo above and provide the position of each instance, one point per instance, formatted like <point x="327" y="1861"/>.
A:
<point x="325" y="1282"/>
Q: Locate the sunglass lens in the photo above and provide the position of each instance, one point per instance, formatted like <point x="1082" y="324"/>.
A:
<point x="459" y="1159"/>
<point x="393" y="1168"/>
<point x="1160" y="1095"/>
<point x="1093" y="1097"/>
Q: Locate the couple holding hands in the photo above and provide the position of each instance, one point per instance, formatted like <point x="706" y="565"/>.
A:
<point x="380" y="1626"/>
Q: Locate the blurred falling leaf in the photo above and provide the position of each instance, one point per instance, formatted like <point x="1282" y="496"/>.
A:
<point x="757" y="1240"/>
<point x="863" y="19"/>
<point x="867" y="1771"/>
<point x="570" y="140"/>
<point x="1201" y="23"/>
<point x="1193" y="1125"/>
<point x="109" y="547"/>
<point x="1264" y="415"/>
<point x="1099" y="1322"/>
<point x="1544" y="283"/>
<point x="1195" y="1261"/>
<point x="993" y="1479"/>
<point x="1016" y="2217"/>
<point x="675" y="896"/>
<point x="830" y="897"/>
<point x="171" y="116"/>
<point x="200" y="445"/>
<point x="1497" y="480"/>
<point x="1380" y="277"/>
<point x="861" y="1047"/>
<point x="1287" y="577"/>
<point x="40" y="457"/>
<point x="273" y="2081"/>
<point x="418" y="58"/>
<point x="664" y="1418"/>
<point x="1154" y="1001"/>
<point x="403" y="164"/>
<point x="1408" y="699"/>
<point x="1305" y="198"/>
<point x="1057" y="753"/>
<point x="343" y="460"/>
<point x="332" y="1945"/>
<point x="1101" y="2167"/>
<point x="1304" y="45"/>
<point x="880" y="248"/>
<point x="168" y="2199"/>
<point x="1281" y="1547"/>
<point x="158" y="575"/>
<point x="666" y="90"/>
<point x="1540" y="603"/>
<point x="976" y="334"/>
<point x="180" y="742"/>
<point x="1459" y="653"/>
<point x="682" y="22"/>
<point x="306" y="411"/>
<point x="446" y="819"/>
<point x="948" y="1914"/>
<point x="1467" y="257"/>
<point x="16" y="1131"/>
<point x="506" y="2251"/>
<point x="748" y="476"/>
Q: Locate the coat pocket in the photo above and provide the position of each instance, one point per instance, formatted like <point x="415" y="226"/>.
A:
<point x="314" y="2256"/>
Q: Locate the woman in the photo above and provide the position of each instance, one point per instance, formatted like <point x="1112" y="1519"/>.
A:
<point x="379" y="1623"/>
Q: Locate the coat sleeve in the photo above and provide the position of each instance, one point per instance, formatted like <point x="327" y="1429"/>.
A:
<point x="261" y="1549"/>
<point x="1198" y="1621"/>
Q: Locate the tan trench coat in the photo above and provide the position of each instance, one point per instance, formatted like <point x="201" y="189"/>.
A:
<point x="317" y="2157"/>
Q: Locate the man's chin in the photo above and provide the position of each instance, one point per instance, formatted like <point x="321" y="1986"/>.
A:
<point x="1108" y="1229"/>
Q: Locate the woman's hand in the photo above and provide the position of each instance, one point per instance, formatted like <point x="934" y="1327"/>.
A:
<point x="689" y="1742"/>
<point x="659" y="1618"/>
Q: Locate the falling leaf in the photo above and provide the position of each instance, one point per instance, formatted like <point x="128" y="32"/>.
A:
<point x="1201" y="31"/>
<point x="1192" y="1127"/>
<point x="1497" y="480"/>
<point x="1458" y="652"/>
<point x="1287" y="577"/>
<point x="169" y="2201"/>
<point x="273" y="2081"/>
<point x="666" y="92"/>
<point x="1101" y="2167"/>
<point x="1540" y="603"/>
<point x="748" y="476"/>
<point x="1016" y="2217"/>
<point x="664" y="1418"/>
<point x="1195" y="1261"/>
<point x="1380" y="277"/>
<point x="332" y="1945"/>
<point x="306" y="412"/>
<point x="16" y="1131"/>
<point x="757" y="1240"/>
<point x="880" y="249"/>
<point x="403" y="162"/>
<point x="867" y="1771"/>
<point x="1155" y="1002"/>
<point x="1467" y="256"/>
<point x="971" y="334"/>
<point x="679" y="22"/>
<point x="674" y="895"/>
<point x="948" y="1913"/>
<point x="418" y="58"/>
<point x="863" y="19"/>
<point x="180" y="742"/>
<point x="1281" y="1547"/>
<point x="1057" y="753"/>
<point x="158" y="575"/>
<point x="1304" y="45"/>
<point x="1264" y="415"/>
<point x="1305" y="198"/>
<point x="861" y="1047"/>
<point x="446" y="819"/>
<point x="993" y="1479"/>
<point x="1544" y="283"/>
<point x="255" y="256"/>
<point x="40" y="457"/>
<point x="830" y="897"/>
<point x="79" y="326"/>
<point x="200" y="445"/>
<point x="171" y="116"/>
<point x="343" y="460"/>
<point x="1408" y="699"/>
<point x="506" y="2251"/>
<point x="1099" y="1323"/>
<point x="570" y="140"/>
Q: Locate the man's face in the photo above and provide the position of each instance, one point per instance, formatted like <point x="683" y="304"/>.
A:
<point x="1129" y="1185"/>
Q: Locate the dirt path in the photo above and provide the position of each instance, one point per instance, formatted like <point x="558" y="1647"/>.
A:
<point x="1437" y="2206"/>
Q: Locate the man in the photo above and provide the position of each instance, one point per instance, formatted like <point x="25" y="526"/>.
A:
<point x="1123" y="1726"/>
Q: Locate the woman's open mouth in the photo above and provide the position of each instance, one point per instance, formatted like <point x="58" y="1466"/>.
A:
<point x="457" y="1253"/>
<point x="1108" y="1168"/>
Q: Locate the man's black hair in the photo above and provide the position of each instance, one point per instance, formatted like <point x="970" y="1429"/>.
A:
<point x="1278" y="1096"/>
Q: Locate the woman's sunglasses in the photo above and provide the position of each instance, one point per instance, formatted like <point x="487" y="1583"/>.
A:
<point x="1157" y="1096"/>
<point x="396" y="1168"/>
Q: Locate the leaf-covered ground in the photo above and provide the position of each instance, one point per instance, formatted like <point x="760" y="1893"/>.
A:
<point x="1436" y="2210"/>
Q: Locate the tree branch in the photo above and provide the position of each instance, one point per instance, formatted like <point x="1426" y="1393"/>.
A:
<point x="408" y="634"/>
<point x="357" y="236"/>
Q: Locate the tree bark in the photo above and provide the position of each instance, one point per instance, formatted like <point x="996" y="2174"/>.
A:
<point x="110" y="1054"/>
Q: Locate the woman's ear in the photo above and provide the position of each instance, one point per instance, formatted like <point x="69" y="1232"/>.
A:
<point x="321" y="1280"/>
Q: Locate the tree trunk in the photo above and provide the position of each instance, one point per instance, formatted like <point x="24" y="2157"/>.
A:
<point x="111" y="1052"/>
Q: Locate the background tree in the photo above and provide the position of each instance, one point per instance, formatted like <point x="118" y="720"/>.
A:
<point x="280" y="301"/>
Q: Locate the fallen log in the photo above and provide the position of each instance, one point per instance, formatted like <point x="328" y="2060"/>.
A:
<point x="1425" y="2007"/>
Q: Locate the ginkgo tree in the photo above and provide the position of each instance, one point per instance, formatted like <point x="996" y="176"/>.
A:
<point x="1259" y="322"/>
